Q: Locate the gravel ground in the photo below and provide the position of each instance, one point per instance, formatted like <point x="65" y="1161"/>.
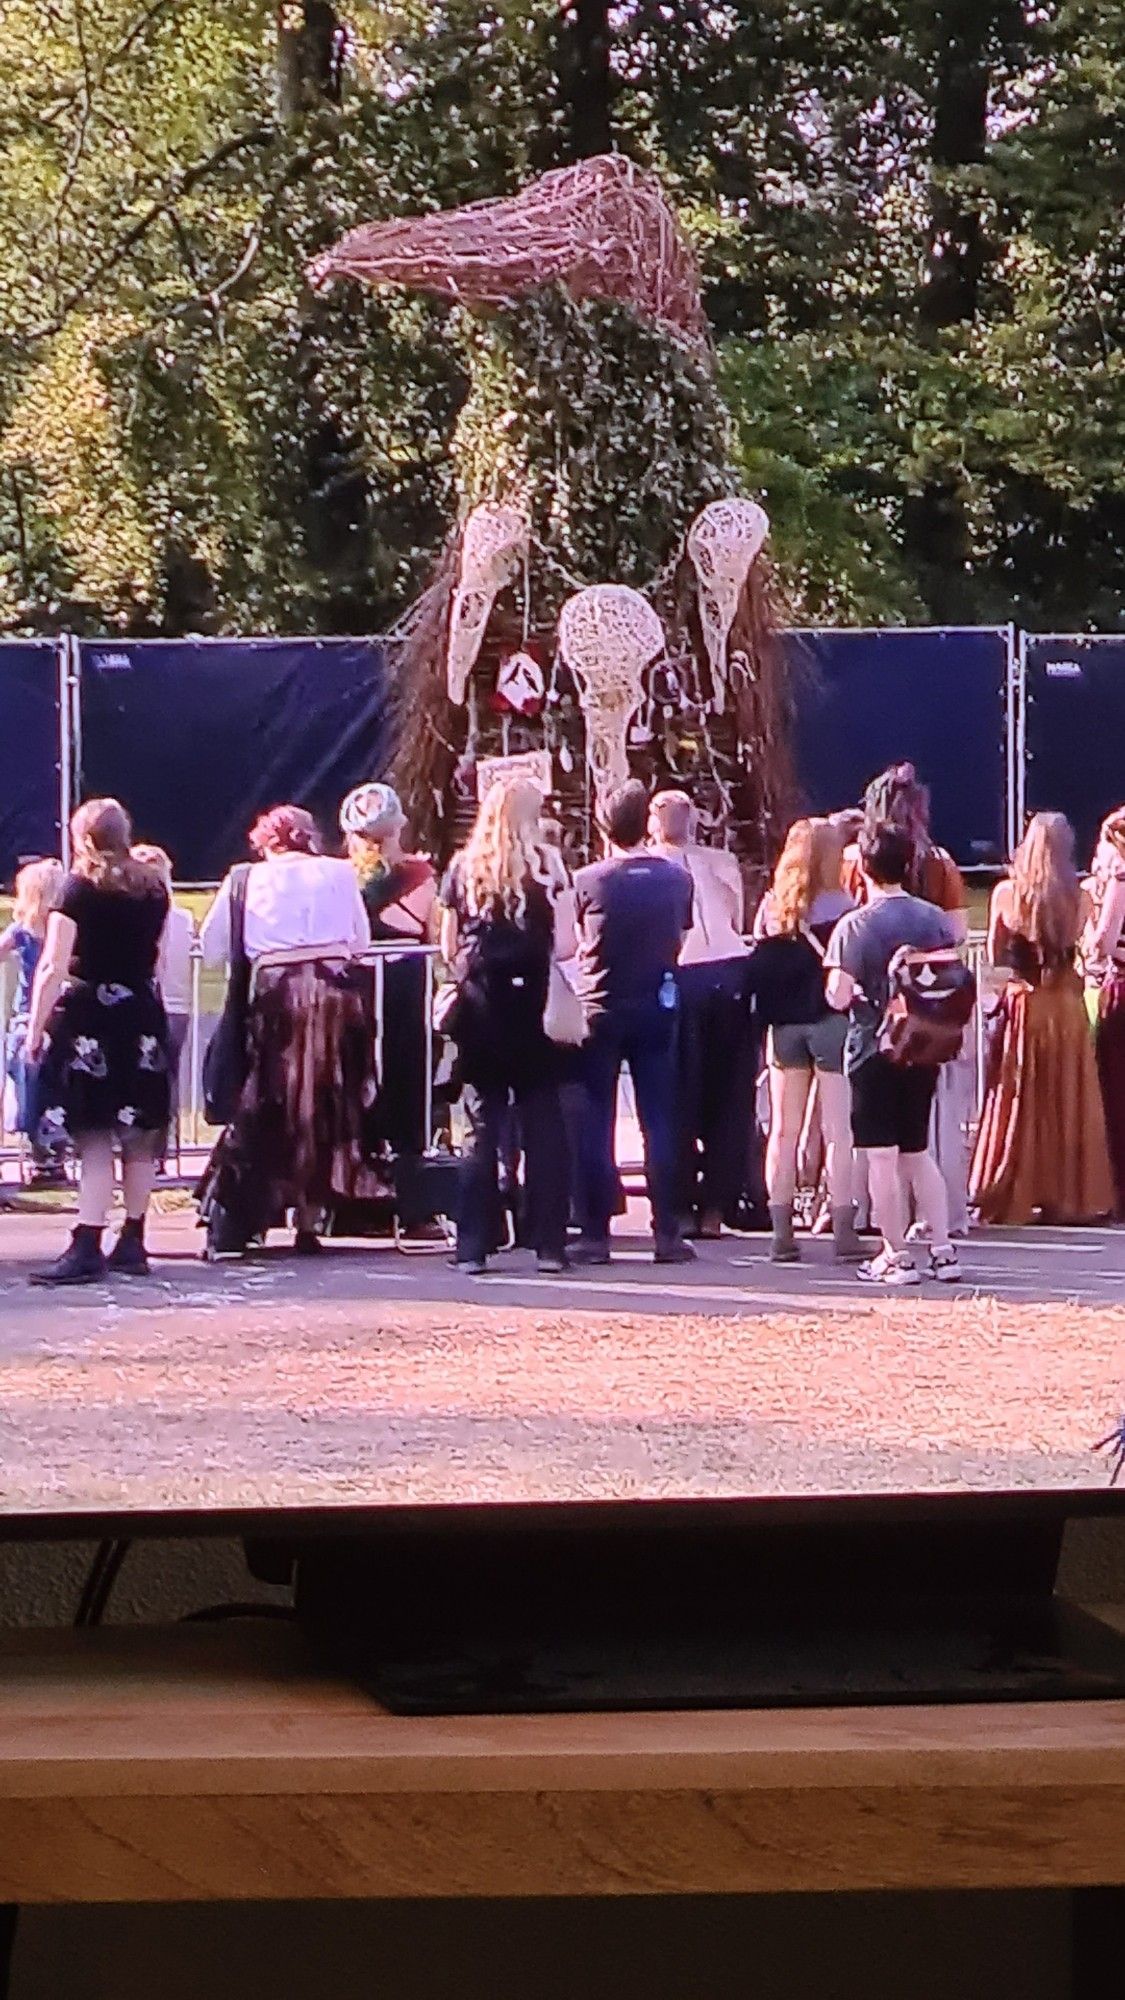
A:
<point x="373" y="1378"/>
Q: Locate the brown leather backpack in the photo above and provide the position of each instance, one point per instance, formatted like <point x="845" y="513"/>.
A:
<point x="932" y="996"/>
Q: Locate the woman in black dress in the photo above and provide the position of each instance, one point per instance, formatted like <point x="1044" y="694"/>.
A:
<point x="98" y="1022"/>
<point x="500" y="925"/>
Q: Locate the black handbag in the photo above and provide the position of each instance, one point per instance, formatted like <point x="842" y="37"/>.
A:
<point x="226" y="1060"/>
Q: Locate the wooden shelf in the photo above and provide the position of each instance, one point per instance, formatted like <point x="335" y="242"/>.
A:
<point x="220" y="1763"/>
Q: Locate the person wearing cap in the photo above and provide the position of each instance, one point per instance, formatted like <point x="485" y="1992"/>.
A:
<point x="399" y="892"/>
<point x="398" y="889"/>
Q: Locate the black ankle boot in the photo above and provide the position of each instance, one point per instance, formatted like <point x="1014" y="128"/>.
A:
<point x="81" y="1262"/>
<point x="129" y="1258"/>
<point x="673" y="1250"/>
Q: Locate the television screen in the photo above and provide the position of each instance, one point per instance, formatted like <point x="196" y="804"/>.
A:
<point x="536" y="526"/>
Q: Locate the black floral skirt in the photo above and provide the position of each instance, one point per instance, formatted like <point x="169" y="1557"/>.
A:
<point x="106" y="1064"/>
<point x="303" y="1132"/>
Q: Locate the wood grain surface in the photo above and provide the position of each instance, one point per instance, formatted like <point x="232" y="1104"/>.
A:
<point x="222" y="1764"/>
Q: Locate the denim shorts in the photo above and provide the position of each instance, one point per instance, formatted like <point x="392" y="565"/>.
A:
<point x="815" y="1045"/>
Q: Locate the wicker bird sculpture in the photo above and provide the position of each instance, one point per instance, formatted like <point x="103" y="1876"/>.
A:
<point x="592" y="441"/>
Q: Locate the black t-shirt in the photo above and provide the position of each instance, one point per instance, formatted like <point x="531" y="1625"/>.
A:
<point x="521" y="939"/>
<point x="787" y="980"/>
<point x="118" y="934"/>
<point x="633" y="912"/>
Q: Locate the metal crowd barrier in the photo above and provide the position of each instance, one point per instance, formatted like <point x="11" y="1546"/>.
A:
<point x="193" y="1132"/>
<point x="191" y="1127"/>
<point x="380" y="956"/>
<point x="191" y="1120"/>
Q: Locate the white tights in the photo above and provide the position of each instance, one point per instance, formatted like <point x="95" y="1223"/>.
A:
<point x="789" y="1093"/>
<point x="894" y="1178"/>
<point x="95" y="1190"/>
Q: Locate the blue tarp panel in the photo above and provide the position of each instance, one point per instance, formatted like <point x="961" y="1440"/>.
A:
<point x="29" y="751"/>
<point x="934" y="698"/>
<point x="198" y="737"/>
<point x="1076" y="729"/>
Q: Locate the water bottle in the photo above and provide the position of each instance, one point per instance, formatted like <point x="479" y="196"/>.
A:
<point x="668" y="998"/>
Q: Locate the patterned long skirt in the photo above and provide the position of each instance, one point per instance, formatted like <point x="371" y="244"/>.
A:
<point x="1042" y="1140"/>
<point x="300" y="1135"/>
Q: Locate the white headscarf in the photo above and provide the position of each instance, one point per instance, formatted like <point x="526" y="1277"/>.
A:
<point x="372" y="811"/>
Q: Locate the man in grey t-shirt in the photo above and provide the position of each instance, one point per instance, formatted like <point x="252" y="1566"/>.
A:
<point x="890" y="1104"/>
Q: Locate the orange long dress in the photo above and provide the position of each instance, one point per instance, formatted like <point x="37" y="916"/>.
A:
<point x="1042" y="1147"/>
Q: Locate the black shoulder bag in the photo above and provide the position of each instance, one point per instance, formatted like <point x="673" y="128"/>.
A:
<point x="225" y="1063"/>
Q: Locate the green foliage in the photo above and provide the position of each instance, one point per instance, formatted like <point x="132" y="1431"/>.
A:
<point x="249" y="457"/>
<point x="560" y="395"/>
<point x="815" y="437"/>
<point x="909" y="218"/>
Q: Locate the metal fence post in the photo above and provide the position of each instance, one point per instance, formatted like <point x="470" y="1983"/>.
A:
<point x="429" y="1003"/>
<point x="66" y="748"/>
<point x="194" y="1041"/>
<point x="1021" y="741"/>
<point x="5" y="1011"/>
<point x="978" y="960"/>
<point x="1016" y="739"/>
<point x="1010" y="744"/>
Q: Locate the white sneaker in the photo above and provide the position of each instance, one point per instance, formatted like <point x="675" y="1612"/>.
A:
<point x="918" y="1232"/>
<point x="890" y="1267"/>
<point x="943" y="1266"/>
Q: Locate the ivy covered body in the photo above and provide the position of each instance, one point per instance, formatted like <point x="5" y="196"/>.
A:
<point x="611" y="435"/>
<point x="611" y="432"/>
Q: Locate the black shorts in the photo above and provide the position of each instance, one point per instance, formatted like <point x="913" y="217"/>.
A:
<point x="891" y="1105"/>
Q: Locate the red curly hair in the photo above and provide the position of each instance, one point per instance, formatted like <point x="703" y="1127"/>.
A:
<point x="285" y="830"/>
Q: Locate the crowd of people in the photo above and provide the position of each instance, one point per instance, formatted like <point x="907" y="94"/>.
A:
<point x="553" y="983"/>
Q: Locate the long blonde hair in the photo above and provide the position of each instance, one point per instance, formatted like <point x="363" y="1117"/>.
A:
<point x="156" y="858"/>
<point x="809" y="865"/>
<point x="506" y="850"/>
<point x="101" y="832"/>
<point x="36" y="894"/>
<point x="1112" y="835"/>
<point x="1046" y="895"/>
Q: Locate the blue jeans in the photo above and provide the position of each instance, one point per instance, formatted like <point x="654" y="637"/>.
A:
<point x="644" y="1036"/>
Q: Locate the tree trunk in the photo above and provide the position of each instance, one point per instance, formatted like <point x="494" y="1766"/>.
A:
<point x="956" y="250"/>
<point x="935" y="524"/>
<point x="585" y="77"/>
<point x="310" y="58"/>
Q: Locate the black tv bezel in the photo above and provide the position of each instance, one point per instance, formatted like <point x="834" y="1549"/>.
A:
<point x="1031" y="1506"/>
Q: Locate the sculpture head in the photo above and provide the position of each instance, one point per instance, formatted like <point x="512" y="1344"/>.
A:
<point x="603" y="229"/>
